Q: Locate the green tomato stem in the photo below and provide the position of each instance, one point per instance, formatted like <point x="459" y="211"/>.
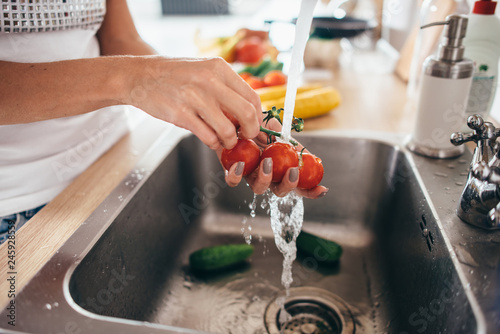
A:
<point x="277" y="134"/>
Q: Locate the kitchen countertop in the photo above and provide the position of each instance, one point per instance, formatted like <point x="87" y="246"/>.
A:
<point x="370" y="102"/>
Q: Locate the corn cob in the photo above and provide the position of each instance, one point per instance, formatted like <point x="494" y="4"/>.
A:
<point x="310" y="103"/>
<point x="278" y="92"/>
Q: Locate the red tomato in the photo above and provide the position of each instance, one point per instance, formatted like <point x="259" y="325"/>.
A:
<point x="284" y="157"/>
<point x="245" y="75"/>
<point x="274" y="78"/>
<point x="245" y="150"/>
<point x="255" y="82"/>
<point x="310" y="171"/>
<point x="250" y="50"/>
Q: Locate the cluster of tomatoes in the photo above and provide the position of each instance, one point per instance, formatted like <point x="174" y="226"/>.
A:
<point x="272" y="78"/>
<point x="251" y="49"/>
<point x="283" y="155"/>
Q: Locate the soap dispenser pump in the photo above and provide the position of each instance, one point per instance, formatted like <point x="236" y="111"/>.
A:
<point x="443" y="92"/>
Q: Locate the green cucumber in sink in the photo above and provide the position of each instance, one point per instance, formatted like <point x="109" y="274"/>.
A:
<point x="322" y="250"/>
<point x="219" y="257"/>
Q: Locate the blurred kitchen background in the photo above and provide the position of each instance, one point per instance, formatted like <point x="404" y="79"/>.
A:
<point x="387" y="41"/>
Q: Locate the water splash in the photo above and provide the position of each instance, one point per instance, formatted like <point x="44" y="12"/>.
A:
<point x="252" y="206"/>
<point x="287" y="214"/>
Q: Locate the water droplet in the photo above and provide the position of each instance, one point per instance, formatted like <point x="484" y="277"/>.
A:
<point x="252" y="206"/>
<point x="459" y="183"/>
<point x="441" y="174"/>
<point x="56" y="304"/>
<point x="446" y="188"/>
<point x="462" y="161"/>
<point x="450" y="166"/>
<point x="48" y="307"/>
<point x="263" y="204"/>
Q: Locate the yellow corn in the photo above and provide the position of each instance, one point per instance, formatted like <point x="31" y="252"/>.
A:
<point x="310" y="103"/>
<point x="278" y="92"/>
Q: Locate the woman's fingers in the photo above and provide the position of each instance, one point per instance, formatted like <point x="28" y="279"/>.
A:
<point x="316" y="192"/>
<point x="186" y="92"/>
<point x="201" y="130"/>
<point x="261" y="179"/>
<point x="235" y="97"/>
<point x="235" y="174"/>
<point x="289" y="182"/>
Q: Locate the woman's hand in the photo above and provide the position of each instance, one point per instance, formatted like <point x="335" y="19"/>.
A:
<point x="261" y="178"/>
<point x="204" y="96"/>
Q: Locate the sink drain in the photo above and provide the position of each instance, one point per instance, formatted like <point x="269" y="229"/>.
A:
<point x="312" y="311"/>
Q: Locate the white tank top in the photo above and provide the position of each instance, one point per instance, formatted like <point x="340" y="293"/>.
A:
<point x="38" y="160"/>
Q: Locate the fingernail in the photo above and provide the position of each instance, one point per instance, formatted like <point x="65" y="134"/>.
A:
<point x="323" y="194"/>
<point x="239" y="168"/>
<point x="268" y="166"/>
<point x="294" y="174"/>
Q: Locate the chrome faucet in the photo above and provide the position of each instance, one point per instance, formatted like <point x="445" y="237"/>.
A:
<point x="480" y="201"/>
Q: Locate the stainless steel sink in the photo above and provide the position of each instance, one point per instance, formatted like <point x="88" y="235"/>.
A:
<point x="406" y="266"/>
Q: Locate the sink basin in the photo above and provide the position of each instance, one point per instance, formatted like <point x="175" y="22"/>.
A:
<point x="125" y="270"/>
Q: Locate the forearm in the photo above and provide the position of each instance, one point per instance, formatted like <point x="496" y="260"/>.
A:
<point x="32" y="92"/>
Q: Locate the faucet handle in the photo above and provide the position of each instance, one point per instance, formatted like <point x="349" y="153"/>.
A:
<point x="494" y="217"/>
<point x="459" y="138"/>
<point x="481" y="130"/>
<point x="476" y="122"/>
<point x="483" y="172"/>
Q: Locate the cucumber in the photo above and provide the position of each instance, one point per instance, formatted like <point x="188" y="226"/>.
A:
<point x="219" y="257"/>
<point x="262" y="68"/>
<point x="320" y="249"/>
<point x="255" y="69"/>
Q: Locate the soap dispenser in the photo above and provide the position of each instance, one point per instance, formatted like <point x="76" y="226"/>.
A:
<point x="443" y="92"/>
